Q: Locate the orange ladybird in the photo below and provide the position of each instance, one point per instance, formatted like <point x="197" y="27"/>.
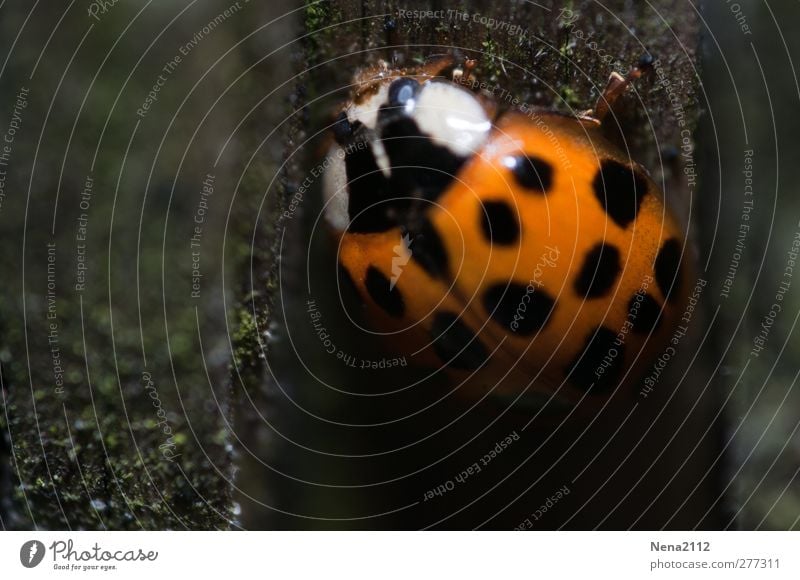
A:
<point x="515" y="252"/>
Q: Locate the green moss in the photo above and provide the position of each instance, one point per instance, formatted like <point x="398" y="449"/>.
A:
<point x="571" y="98"/>
<point x="247" y="348"/>
<point x="491" y="67"/>
<point x="319" y="15"/>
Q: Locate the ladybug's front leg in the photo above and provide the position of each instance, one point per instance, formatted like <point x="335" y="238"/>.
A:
<point x="615" y="88"/>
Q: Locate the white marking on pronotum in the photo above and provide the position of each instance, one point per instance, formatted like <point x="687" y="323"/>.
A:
<point x="367" y="113"/>
<point x="452" y="117"/>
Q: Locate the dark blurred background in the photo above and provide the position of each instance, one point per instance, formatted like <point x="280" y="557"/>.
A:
<point x="148" y="376"/>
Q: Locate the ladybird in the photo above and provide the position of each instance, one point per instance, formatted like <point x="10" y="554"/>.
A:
<point x="516" y="251"/>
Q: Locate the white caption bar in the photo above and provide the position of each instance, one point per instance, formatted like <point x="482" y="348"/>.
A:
<point x="400" y="555"/>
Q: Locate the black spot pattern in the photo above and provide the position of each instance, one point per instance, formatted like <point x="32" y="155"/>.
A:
<point x="456" y="344"/>
<point x="647" y="312"/>
<point x="599" y="272"/>
<point x="620" y="190"/>
<point x="531" y="172"/>
<point x="384" y="296"/>
<point x="517" y="309"/>
<point x="347" y="286"/>
<point x="601" y="361"/>
<point x="499" y="223"/>
<point x="348" y="291"/>
<point x="668" y="269"/>
<point x="428" y="249"/>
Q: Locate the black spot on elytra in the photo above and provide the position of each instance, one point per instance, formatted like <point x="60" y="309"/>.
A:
<point x="599" y="272"/>
<point x="428" y="249"/>
<point x="381" y="292"/>
<point x="347" y="286"/>
<point x="648" y="313"/>
<point x="348" y="291"/>
<point x="499" y="223"/>
<point x="668" y="269"/>
<point x="456" y="344"/>
<point x="531" y="172"/>
<point x="620" y="190"/>
<point x="517" y="309"/>
<point x="600" y="362"/>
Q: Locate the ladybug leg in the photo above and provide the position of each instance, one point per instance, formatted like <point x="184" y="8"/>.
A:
<point x="462" y="74"/>
<point x="615" y="88"/>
